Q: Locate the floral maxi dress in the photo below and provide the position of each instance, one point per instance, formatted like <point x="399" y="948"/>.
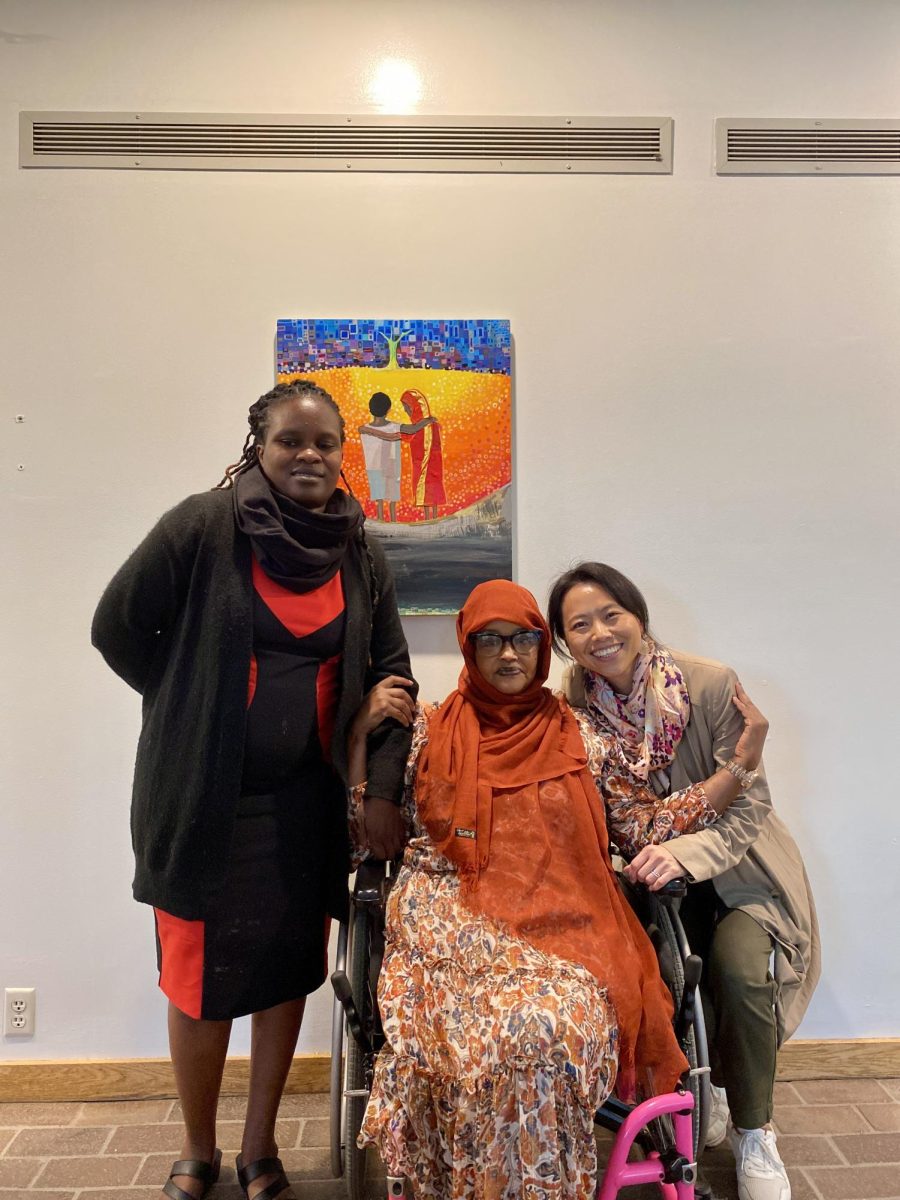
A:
<point x="498" y="1054"/>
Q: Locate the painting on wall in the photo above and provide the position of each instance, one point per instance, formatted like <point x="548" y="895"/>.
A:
<point x="428" y="408"/>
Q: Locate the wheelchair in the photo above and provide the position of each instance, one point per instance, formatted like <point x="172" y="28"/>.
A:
<point x="669" y="1130"/>
<point x="356" y="1032"/>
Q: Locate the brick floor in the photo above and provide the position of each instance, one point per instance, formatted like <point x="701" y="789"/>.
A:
<point x="840" y="1139"/>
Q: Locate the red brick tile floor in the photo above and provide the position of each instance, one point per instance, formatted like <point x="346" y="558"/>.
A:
<point x="839" y="1138"/>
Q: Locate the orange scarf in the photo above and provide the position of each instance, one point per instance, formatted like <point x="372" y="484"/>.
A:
<point x="504" y="791"/>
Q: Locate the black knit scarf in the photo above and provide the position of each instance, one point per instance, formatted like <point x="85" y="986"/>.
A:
<point x="297" y="548"/>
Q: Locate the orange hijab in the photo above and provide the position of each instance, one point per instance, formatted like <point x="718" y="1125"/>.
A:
<point x="504" y="791"/>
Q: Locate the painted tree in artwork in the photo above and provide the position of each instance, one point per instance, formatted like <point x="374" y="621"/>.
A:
<point x="393" y="342"/>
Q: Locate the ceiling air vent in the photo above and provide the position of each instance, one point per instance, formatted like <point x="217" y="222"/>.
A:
<point x="807" y="147"/>
<point x="227" y="142"/>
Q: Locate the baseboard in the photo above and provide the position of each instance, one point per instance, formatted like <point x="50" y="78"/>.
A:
<point x="136" y="1078"/>
<point x="840" y="1058"/>
<point x="150" y="1078"/>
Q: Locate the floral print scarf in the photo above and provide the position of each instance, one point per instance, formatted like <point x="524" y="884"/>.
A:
<point x="650" y="720"/>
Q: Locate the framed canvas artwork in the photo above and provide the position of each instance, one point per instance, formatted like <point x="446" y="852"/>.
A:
<point x="428" y="408"/>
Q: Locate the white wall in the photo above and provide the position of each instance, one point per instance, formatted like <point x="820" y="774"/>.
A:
<point x="706" y="375"/>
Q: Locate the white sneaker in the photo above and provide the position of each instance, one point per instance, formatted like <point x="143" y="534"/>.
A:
<point x="717" y="1125"/>
<point x="760" y="1172"/>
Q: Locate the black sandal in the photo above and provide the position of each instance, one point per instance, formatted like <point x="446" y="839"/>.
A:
<point x="194" y="1168"/>
<point x="263" y="1166"/>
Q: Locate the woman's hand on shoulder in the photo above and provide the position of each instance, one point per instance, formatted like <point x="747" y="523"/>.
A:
<point x="749" y="748"/>
<point x="387" y="699"/>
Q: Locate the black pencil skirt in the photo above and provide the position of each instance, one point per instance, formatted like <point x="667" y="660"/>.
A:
<point x="264" y="940"/>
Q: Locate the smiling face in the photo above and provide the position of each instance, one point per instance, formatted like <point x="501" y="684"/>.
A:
<point x="509" y="671"/>
<point x="601" y="635"/>
<point x="301" y="455"/>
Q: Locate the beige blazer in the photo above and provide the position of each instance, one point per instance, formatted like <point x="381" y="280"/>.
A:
<point x="748" y="853"/>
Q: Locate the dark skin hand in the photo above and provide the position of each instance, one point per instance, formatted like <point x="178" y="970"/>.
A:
<point x="388" y="698"/>
<point x="385" y="827"/>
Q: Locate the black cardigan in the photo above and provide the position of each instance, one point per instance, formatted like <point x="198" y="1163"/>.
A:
<point x="176" y="624"/>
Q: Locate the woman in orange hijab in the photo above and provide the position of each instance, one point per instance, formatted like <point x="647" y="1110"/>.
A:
<point x="518" y="989"/>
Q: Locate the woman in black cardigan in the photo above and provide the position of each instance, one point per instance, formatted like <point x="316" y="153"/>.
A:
<point x="252" y="620"/>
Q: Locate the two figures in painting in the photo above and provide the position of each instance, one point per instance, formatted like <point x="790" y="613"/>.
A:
<point x="381" y="439"/>
<point x="428" y="409"/>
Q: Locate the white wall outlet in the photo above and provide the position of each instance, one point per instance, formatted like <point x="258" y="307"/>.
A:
<point x="18" y="1011"/>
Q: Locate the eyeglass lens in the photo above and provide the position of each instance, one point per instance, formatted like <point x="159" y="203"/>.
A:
<point x="521" y="641"/>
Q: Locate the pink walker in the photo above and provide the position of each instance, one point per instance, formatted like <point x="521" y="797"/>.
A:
<point x="675" y="1172"/>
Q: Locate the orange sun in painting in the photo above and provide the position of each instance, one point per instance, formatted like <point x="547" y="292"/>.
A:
<point x="472" y="409"/>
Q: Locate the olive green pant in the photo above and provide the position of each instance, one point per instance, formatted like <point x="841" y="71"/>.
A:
<point x="738" y="1002"/>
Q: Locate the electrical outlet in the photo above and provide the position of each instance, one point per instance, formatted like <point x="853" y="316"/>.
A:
<point x="18" y="1011"/>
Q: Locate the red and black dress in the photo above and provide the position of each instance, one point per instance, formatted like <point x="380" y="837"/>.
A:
<point x="264" y="940"/>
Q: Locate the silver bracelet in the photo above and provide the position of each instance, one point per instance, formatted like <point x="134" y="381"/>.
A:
<point x="744" y="777"/>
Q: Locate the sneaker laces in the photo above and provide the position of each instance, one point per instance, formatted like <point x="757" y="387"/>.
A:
<point x="759" y="1153"/>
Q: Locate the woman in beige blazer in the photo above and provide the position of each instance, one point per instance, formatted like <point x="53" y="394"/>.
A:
<point x="750" y="902"/>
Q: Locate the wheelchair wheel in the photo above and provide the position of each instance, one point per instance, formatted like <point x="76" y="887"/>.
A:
<point x="357" y="1073"/>
<point x="336" y="1092"/>
<point x="669" y="924"/>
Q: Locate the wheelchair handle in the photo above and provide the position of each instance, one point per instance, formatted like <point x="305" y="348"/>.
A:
<point x="675" y="889"/>
<point x="344" y="993"/>
<point x="693" y="969"/>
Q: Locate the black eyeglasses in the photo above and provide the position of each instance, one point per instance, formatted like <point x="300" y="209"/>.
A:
<point x="522" y="641"/>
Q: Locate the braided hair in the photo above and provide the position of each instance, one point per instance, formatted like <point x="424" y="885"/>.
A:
<point x="258" y="419"/>
<point x="259" y="416"/>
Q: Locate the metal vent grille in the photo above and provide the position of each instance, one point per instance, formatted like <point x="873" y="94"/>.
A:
<point x="208" y="141"/>
<point x="798" y="147"/>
